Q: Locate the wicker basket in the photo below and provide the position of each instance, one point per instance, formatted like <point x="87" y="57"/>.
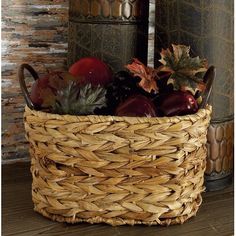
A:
<point x="117" y="170"/>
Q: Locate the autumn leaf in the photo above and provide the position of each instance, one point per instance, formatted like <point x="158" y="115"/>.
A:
<point x="59" y="80"/>
<point x="48" y="96"/>
<point x="147" y="75"/>
<point x="186" y="71"/>
<point x="183" y="83"/>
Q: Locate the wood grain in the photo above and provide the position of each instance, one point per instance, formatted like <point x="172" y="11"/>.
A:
<point x="34" y="32"/>
<point x="215" y="217"/>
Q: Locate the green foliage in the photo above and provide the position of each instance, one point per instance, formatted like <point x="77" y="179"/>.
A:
<point x="75" y="100"/>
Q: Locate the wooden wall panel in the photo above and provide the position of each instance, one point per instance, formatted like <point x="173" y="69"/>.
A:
<point x="34" y="32"/>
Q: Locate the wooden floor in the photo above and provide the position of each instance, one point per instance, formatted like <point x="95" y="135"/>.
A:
<point x="215" y="216"/>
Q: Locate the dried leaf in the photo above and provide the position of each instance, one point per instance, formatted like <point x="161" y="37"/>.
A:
<point x="186" y="72"/>
<point x="60" y="80"/>
<point x="57" y="81"/>
<point x="183" y="83"/>
<point x="147" y="74"/>
<point x="48" y="96"/>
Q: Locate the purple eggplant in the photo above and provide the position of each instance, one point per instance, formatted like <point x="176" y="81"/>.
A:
<point x="177" y="103"/>
<point x="137" y="105"/>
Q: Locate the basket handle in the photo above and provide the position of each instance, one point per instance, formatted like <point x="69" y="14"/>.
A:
<point x="23" y="87"/>
<point x="208" y="79"/>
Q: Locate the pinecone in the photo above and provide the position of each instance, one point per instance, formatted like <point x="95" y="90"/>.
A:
<point x="75" y="100"/>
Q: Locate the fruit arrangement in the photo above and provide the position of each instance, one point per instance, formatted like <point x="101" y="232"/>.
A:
<point x="176" y="87"/>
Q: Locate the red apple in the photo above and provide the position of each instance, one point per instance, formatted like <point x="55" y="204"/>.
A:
<point x="137" y="105"/>
<point x="177" y="103"/>
<point x="91" y="70"/>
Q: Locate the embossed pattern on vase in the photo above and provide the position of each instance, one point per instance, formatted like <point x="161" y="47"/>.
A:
<point x="220" y="150"/>
<point x="114" y="31"/>
<point x="123" y="11"/>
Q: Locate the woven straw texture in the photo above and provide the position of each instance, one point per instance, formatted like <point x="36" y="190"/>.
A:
<point x="117" y="170"/>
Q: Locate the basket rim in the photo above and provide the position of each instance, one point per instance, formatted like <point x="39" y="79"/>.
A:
<point x="174" y="119"/>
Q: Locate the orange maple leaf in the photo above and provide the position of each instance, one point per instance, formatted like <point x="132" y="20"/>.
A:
<point x="147" y="74"/>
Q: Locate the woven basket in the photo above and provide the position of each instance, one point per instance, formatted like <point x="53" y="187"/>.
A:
<point x="117" y="170"/>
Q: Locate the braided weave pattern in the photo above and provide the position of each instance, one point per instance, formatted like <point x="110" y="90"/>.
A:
<point x="117" y="170"/>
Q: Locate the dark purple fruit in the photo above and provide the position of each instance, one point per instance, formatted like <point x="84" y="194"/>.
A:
<point x="137" y="105"/>
<point x="177" y="103"/>
<point x="123" y="86"/>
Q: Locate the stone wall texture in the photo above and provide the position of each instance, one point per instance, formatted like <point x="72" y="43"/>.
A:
<point x="34" y="32"/>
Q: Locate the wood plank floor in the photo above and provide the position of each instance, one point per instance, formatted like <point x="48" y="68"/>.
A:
<point x="215" y="216"/>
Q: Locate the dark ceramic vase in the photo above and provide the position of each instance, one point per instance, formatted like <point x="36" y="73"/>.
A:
<point x="114" y="31"/>
<point x="207" y="26"/>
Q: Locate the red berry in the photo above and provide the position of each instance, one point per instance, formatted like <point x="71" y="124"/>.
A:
<point x="92" y="70"/>
<point x="137" y="105"/>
